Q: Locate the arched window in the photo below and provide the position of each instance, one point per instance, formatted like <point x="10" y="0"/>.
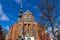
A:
<point x="28" y="38"/>
<point x="28" y="28"/>
<point x="19" y="29"/>
<point x="24" y="29"/>
<point x="34" y="30"/>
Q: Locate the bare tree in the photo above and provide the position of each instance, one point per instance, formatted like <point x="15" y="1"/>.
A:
<point x="48" y="12"/>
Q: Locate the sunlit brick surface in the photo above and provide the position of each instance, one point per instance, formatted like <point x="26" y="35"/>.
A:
<point x="35" y="29"/>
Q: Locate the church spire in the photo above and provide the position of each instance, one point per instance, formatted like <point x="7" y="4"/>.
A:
<point x="20" y="12"/>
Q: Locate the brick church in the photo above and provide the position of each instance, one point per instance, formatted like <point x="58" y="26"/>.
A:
<point x="26" y="28"/>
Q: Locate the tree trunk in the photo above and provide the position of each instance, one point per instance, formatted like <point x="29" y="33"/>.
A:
<point x="52" y="24"/>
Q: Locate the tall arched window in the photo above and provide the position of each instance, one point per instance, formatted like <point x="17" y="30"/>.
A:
<point x="19" y="29"/>
<point x="28" y="28"/>
<point x="24" y="29"/>
<point x="34" y="30"/>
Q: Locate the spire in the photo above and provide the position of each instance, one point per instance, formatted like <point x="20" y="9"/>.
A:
<point x="20" y="12"/>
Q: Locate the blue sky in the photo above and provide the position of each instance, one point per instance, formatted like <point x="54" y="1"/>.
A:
<point x="9" y="10"/>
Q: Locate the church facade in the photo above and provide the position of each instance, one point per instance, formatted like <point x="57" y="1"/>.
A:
<point x="26" y="28"/>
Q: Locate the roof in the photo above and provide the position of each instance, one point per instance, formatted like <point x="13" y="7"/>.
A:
<point x="28" y="12"/>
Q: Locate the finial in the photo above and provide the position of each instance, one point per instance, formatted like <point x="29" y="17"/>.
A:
<point x="21" y="5"/>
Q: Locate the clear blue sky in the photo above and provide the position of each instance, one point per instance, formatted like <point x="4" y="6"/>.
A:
<point x="9" y="10"/>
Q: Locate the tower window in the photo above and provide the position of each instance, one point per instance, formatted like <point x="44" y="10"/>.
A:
<point x="28" y="28"/>
<point x="28" y="24"/>
<point x="25" y="16"/>
<point x="29" y="16"/>
<point x="25" y="24"/>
